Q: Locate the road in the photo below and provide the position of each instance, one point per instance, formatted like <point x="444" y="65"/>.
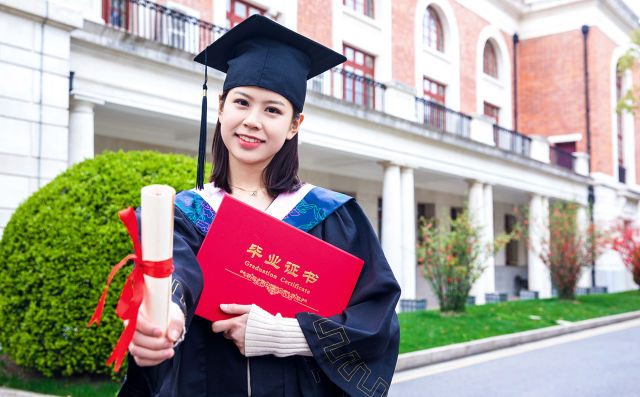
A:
<point x="598" y="362"/>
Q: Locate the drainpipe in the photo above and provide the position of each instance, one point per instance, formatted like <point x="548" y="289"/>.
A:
<point x="515" y="82"/>
<point x="591" y="193"/>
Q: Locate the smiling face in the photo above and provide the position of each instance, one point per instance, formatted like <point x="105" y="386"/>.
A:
<point x="254" y="124"/>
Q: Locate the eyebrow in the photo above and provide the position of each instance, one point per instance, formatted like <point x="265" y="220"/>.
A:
<point x="250" y="97"/>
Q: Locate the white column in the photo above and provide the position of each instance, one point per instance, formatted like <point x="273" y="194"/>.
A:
<point x="81" y="129"/>
<point x="490" y="271"/>
<point x="392" y="219"/>
<point x="538" y="274"/>
<point x="408" y="235"/>
<point x="582" y="223"/>
<point x="476" y="217"/>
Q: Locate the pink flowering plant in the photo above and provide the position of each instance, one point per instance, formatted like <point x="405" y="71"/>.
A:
<point x="626" y="242"/>
<point x="568" y="250"/>
<point x="451" y="258"/>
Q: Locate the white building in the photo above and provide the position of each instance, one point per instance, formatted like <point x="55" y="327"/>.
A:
<point x="81" y="77"/>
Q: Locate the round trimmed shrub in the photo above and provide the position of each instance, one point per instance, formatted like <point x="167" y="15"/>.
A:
<point x="56" y="254"/>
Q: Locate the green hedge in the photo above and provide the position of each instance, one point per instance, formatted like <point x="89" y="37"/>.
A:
<point x="57" y="251"/>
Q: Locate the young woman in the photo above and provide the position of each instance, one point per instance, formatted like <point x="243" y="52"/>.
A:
<point x="255" y="152"/>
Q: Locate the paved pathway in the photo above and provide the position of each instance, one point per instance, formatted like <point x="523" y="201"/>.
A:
<point x="599" y="362"/>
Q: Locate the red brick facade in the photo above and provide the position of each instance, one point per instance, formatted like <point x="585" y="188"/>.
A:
<point x="402" y="39"/>
<point x="551" y="86"/>
<point x="314" y="20"/>
<point x="204" y="7"/>
<point x="551" y="92"/>
<point x="469" y="25"/>
<point x="550" y="73"/>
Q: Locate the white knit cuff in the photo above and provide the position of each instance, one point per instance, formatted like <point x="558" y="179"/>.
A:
<point x="268" y="334"/>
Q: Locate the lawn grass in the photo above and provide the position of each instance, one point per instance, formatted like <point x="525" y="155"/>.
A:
<point x="427" y="329"/>
<point x="13" y="377"/>
<point x="418" y="330"/>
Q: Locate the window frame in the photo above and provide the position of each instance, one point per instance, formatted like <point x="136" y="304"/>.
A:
<point x="492" y="111"/>
<point x="232" y="19"/>
<point x="367" y="8"/>
<point x="355" y="91"/>
<point x="490" y="60"/>
<point x="430" y="20"/>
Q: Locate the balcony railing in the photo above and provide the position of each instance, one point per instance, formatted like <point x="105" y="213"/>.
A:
<point x="622" y="174"/>
<point x="349" y="87"/>
<point x="511" y="140"/>
<point x="561" y="157"/>
<point x="437" y="116"/>
<point x="159" y="23"/>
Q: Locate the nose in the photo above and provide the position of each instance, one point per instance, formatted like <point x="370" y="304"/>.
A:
<point x="252" y="120"/>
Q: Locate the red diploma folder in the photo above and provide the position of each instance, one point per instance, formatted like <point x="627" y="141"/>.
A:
<point x="251" y="257"/>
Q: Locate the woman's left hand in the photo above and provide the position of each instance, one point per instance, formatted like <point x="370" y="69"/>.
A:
<point x="233" y="328"/>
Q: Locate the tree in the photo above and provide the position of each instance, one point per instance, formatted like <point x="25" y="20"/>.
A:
<point x="568" y="249"/>
<point x="630" y="100"/>
<point x="452" y="258"/>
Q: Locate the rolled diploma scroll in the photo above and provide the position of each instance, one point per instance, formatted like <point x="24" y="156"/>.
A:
<point x="156" y="213"/>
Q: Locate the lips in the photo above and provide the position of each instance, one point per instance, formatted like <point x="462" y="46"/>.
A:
<point x="249" y="139"/>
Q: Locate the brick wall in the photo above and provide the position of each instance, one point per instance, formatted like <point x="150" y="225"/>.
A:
<point x="551" y="86"/>
<point x="314" y="20"/>
<point x="600" y="52"/>
<point x="403" y="46"/>
<point x="469" y="25"/>
<point x="551" y="99"/>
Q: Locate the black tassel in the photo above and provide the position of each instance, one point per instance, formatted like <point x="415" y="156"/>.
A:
<point x="202" y="146"/>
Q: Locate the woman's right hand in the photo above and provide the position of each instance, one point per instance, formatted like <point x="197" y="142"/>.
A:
<point x="149" y="346"/>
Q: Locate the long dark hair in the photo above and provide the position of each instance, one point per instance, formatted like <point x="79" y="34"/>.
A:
<point x="280" y="175"/>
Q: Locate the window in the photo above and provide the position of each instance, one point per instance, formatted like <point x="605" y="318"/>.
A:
<point x="364" y="7"/>
<point x="433" y="91"/>
<point x="358" y="85"/>
<point x="434" y="114"/>
<point x="432" y="35"/>
<point x="490" y="62"/>
<point x="511" y="250"/>
<point x="238" y="11"/>
<point x="428" y="212"/>
<point x="115" y="12"/>
<point x="567" y="146"/>
<point x="492" y="111"/>
<point x="455" y="212"/>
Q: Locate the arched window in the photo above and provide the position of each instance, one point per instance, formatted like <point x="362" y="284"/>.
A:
<point x="490" y="62"/>
<point x="432" y="34"/>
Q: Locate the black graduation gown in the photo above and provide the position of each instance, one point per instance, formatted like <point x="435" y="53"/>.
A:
<point x="354" y="353"/>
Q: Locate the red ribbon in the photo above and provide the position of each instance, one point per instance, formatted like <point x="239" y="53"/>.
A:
<point x="133" y="290"/>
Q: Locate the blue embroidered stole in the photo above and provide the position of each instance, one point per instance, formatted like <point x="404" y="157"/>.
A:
<point x="314" y="207"/>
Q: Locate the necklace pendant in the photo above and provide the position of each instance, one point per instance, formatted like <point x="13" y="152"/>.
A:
<point x="253" y="193"/>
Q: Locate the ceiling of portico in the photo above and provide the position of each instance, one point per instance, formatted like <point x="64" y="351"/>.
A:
<point x="146" y="127"/>
<point x="168" y="133"/>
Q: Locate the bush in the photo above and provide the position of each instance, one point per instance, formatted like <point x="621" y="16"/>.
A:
<point x="452" y="257"/>
<point x="568" y="250"/>
<point x="57" y="251"/>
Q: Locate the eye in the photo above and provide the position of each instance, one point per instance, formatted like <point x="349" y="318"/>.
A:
<point x="273" y="110"/>
<point x="241" y="102"/>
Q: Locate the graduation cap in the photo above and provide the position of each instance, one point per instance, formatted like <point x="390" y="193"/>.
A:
<point x="262" y="53"/>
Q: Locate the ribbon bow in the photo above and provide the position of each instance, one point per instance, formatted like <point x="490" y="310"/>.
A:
<point x="133" y="290"/>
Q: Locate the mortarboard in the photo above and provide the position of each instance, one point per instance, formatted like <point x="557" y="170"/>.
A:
<point x="260" y="52"/>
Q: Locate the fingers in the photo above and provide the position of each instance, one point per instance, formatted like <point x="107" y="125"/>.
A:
<point x="176" y="323"/>
<point x="235" y="309"/>
<point x="222" y="325"/>
<point x="147" y="357"/>
<point x="146" y="327"/>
